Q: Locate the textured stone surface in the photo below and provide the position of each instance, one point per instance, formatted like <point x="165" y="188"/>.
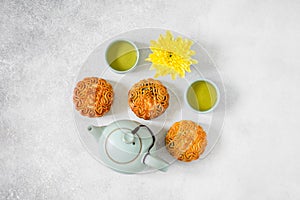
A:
<point x="255" y="44"/>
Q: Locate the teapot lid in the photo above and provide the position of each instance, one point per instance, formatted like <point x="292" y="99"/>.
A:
<point x="122" y="146"/>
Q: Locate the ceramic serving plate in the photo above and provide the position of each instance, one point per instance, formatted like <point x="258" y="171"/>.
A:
<point x="96" y="66"/>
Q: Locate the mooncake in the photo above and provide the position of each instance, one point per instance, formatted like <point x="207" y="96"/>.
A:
<point x="186" y="140"/>
<point x="93" y="97"/>
<point x="148" y="99"/>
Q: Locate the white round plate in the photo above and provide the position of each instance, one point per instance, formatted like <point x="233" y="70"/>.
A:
<point x="95" y="66"/>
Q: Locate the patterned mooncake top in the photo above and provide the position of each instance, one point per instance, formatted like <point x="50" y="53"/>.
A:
<point x="148" y="98"/>
<point x="186" y="140"/>
<point x="93" y="97"/>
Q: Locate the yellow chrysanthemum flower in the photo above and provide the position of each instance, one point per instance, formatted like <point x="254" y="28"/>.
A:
<point x="171" y="56"/>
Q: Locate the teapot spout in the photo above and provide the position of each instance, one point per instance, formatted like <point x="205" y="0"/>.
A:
<point x="156" y="163"/>
<point x="96" y="131"/>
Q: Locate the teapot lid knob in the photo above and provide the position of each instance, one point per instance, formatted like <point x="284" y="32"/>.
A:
<point x="128" y="138"/>
<point x="122" y="147"/>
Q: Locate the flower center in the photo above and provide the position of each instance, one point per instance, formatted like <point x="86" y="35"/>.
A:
<point x="171" y="59"/>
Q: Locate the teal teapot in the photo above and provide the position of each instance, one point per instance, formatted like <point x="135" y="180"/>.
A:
<point x="127" y="146"/>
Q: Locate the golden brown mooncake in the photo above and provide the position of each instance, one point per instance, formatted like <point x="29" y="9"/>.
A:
<point x="186" y="140"/>
<point x="148" y="98"/>
<point x="93" y="97"/>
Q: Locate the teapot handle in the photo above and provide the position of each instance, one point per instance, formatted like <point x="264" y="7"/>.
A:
<point x="148" y="158"/>
<point x="134" y="131"/>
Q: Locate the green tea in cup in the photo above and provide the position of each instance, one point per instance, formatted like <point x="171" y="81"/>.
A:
<point x="122" y="56"/>
<point x="202" y="96"/>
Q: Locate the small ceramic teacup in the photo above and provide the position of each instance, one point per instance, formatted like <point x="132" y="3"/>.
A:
<point x="202" y="96"/>
<point x="122" y="56"/>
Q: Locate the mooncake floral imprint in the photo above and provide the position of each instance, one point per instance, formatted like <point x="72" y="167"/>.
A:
<point x="93" y="97"/>
<point x="148" y="98"/>
<point x="186" y="140"/>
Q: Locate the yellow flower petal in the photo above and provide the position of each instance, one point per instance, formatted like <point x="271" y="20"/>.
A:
<point x="171" y="56"/>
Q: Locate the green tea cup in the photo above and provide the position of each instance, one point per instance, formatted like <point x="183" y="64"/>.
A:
<point x="122" y="56"/>
<point x="202" y="96"/>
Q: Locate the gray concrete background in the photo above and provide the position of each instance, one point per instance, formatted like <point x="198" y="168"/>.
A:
<point x="254" y="43"/>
